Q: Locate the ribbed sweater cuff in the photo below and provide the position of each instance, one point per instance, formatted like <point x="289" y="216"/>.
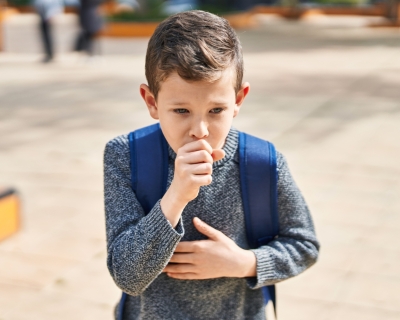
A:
<point x="158" y="224"/>
<point x="265" y="269"/>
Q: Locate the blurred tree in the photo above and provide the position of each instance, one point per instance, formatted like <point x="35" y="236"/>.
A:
<point x="143" y="4"/>
<point x="393" y="8"/>
<point x="238" y="5"/>
<point x="289" y="3"/>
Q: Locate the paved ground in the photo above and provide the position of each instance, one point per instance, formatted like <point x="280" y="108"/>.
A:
<point x="327" y="96"/>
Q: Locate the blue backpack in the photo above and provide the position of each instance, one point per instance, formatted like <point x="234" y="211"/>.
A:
<point x="258" y="179"/>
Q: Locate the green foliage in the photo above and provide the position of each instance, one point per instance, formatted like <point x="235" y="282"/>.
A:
<point x="153" y="12"/>
<point x="19" y="3"/>
<point x="341" y="2"/>
<point x="132" y="16"/>
<point x="217" y="9"/>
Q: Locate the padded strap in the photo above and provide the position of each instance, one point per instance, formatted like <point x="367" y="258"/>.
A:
<point x="121" y="306"/>
<point x="258" y="178"/>
<point x="269" y="293"/>
<point x="149" y="165"/>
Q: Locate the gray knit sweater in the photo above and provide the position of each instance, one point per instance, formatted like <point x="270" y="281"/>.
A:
<point x="139" y="246"/>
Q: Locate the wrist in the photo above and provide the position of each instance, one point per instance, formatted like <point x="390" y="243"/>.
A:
<point x="176" y="197"/>
<point x="249" y="264"/>
<point x="172" y="206"/>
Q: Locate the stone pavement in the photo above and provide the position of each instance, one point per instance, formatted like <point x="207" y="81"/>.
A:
<point x="327" y="96"/>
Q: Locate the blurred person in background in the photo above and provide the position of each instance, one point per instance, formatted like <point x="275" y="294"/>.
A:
<point x="47" y="9"/>
<point x="91" y="22"/>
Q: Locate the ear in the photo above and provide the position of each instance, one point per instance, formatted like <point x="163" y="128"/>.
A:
<point x="150" y="100"/>
<point x="244" y="90"/>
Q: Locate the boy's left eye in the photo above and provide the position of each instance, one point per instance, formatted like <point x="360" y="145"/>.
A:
<point x="181" y="110"/>
<point x="216" y="110"/>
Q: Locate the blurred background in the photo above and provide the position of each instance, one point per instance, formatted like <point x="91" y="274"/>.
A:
<point x="325" y="88"/>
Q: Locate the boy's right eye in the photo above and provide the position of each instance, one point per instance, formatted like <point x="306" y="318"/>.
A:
<point x="180" y="110"/>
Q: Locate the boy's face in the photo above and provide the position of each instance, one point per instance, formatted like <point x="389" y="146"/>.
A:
<point x="189" y="111"/>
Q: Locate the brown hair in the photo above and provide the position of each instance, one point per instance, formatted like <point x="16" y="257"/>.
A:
<point x="197" y="45"/>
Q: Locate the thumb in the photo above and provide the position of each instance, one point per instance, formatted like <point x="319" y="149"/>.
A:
<point x="218" y="154"/>
<point x="205" y="229"/>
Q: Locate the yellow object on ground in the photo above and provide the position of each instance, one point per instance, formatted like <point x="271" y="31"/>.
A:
<point x="4" y="14"/>
<point x="9" y="213"/>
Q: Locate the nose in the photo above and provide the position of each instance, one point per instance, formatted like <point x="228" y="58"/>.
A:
<point x="199" y="129"/>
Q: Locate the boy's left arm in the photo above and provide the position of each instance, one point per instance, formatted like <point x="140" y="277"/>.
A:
<point x="296" y="248"/>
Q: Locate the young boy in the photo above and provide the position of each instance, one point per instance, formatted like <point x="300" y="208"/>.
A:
<point x="188" y="258"/>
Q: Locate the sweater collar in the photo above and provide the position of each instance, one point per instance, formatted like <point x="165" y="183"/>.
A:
<point x="230" y="147"/>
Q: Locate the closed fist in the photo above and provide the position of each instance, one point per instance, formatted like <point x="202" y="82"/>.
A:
<point x="193" y="168"/>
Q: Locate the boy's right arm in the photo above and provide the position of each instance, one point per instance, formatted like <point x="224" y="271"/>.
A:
<point x="139" y="246"/>
<point x="193" y="169"/>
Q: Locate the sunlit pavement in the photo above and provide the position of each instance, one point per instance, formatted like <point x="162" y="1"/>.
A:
<point x="327" y="94"/>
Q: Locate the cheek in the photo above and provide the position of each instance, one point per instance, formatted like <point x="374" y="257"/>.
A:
<point x="220" y="128"/>
<point x="174" y="132"/>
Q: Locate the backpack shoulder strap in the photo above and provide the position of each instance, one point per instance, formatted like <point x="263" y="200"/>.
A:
<point x="259" y="180"/>
<point x="149" y="165"/>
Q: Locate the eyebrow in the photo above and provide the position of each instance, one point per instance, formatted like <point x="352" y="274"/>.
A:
<point x="183" y="103"/>
<point x="219" y="103"/>
<point x="179" y="103"/>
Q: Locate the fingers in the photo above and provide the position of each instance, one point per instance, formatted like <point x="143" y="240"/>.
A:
<point x="185" y="276"/>
<point x="179" y="268"/>
<point x="181" y="271"/>
<point x="205" y="229"/>
<point x="202" y="180"/>
<point x="193" y="169"/>
<point x="181" y="258"/>
<point x="195" y="148"/>
<point x="197" y="174"/>
<point x="186" y="247"/>
<point x="198" y="156"/>
<point x="201" y="168"/>
<point x="218" y="154"/>
<point x="197" y="145"/>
